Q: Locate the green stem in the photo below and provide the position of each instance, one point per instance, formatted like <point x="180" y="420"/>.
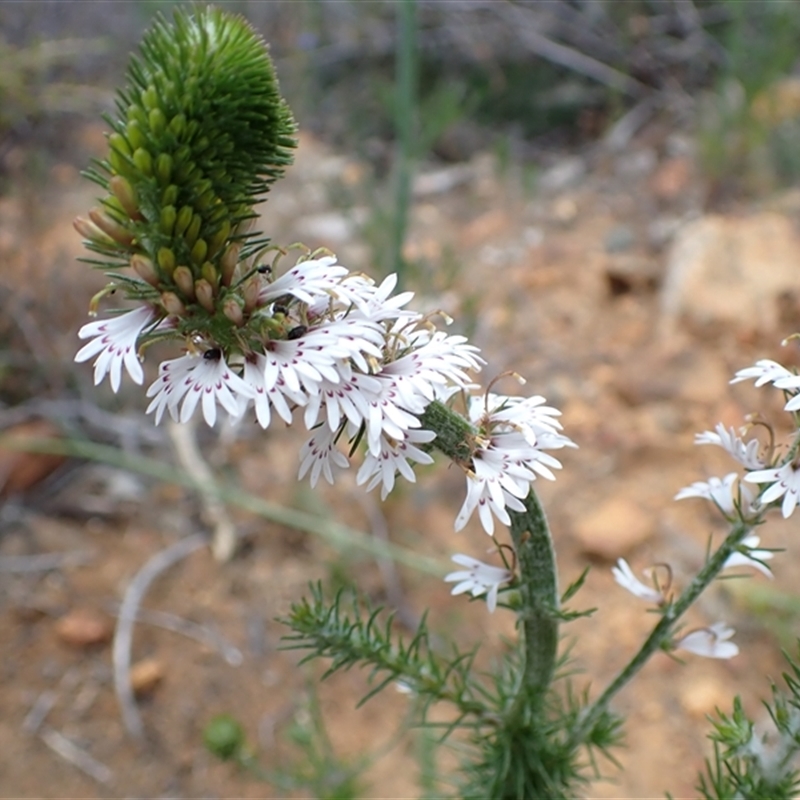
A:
<point x="662" y="632"/>
<point x="537" y="562"/>
<point x="405" y="103"/>
<point x="539" y="593"/>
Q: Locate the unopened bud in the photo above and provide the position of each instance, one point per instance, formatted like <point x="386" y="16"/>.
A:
<point x="184" y="280"/>
<point x="119" y="163"/>
<point x="205" y="294"/>
<point x="199" y="251"/>
<point x="170" y="195"/>
<point x="233" y="311"/>
<point x="183" y="220"/>
<point x="158" y="122"/>
<point x="250" y="292"/>
<point x="228" y="262"/>
<point x="145" y="269"/>
<point x="167" y="220"/>
<point x="166" y="260"/>
<point x="163" y="168"/>
<point x="209" y="272"/>
<point x="119" y="233"/>
<point x="193" y="231"/>
<point x="216" y="241"/>
<point x="143" y="161"/>
<point x="90" y="231"/>
<point x="173" y="304"/>
<point x="150" y="98"/>
<point x="136" y="136"/>
<point x="121" y="189"/>
<point x="177" y="125"/>
<point x="116" y="141"/>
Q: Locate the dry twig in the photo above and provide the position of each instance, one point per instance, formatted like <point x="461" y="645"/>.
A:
<point x="128" y="612"/>
<point x="76" y="756"/>
<point x="191" y="459"/>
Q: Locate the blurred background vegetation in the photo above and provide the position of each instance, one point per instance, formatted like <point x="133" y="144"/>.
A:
<point x="516" y="77"/>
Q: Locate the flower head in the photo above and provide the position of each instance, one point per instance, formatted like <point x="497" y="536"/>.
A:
<point x="720" y="491"/>
<point x="624" y="576"/>
<point x="113" y="341"/>
<point x="711" y="642"/>
<point x="764" y="371"/>
<point x="478" y="578"/>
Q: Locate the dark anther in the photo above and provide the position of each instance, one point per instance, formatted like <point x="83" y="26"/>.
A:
<point x="264" y="269"/>
<point x="214" y="354"/>
<point x="296" y="333"/>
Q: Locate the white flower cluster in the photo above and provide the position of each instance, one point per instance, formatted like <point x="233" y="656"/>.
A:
<point x="346" y="354"/>
<point x="514" y="434"/>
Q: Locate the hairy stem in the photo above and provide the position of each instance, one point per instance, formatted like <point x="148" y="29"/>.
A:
<point x="533" y="543"/>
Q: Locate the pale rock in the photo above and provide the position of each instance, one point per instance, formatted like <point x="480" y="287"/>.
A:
<point x="730" y="270"/>
<point x="84" y="627"/>
<point x="613" y="529"/>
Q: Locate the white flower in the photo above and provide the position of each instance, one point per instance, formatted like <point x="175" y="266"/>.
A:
<point x="320" y="455"/>
<point x="624" y="576"/>
<point x="115" y="341"/>
<point x="752" y="557"/>
<point x="478" y="578"/>
<point x="785" y="482"/>
<point x="307" y="281"/>
<point x="393" y="458"/>
<point x="265" y="398"/>
<point x="192" y="378"/>
<point x="711" y="642"/>
<point x="717" y="490"/>
<point x="745" y="453"/>
<point x="764" y="371"/>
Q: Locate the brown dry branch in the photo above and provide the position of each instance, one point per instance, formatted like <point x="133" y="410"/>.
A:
<point x="128" y="612"/>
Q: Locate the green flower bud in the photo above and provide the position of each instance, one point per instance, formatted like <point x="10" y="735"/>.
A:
<point x="224" y="737"/>
<point x="137" y="113"/>
<point x="158" y="122"/>
<point x="193" y="231"/>
<point x="209" y="272"/>
<point x="184" y="280"/>
<point x="177" y="125"/>
<point x="163" y="168"/>
<point x="143" y="161"/>
<point x="167" y="221"/>
<point x="116" y="141"/>
<point x="185" y="216"/>
<point x="199" y="251"/>
<point x="182" y="154"/>
<point x="135" y="134"/>
<point x="205" y="295"/>
<point x="166" y="260"/>
<point x="170" y="196"/>
<point x="119" y="163"/>
<point x="218" y="239"/>
<point x="150" y="98"/>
